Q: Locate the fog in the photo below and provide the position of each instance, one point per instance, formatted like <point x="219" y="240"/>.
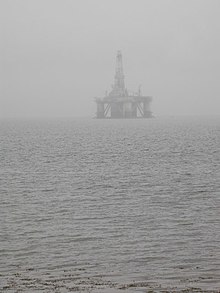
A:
<point x="56" y="56"/>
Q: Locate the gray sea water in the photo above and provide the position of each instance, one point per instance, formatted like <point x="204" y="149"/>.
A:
<point x="110" y="205"/>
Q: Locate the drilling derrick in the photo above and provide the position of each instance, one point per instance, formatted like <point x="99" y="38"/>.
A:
<point x="119" y="85"/>
<point x="118" y="103"/>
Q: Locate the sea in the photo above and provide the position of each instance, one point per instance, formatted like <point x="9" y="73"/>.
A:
<point x="92" y="205"/>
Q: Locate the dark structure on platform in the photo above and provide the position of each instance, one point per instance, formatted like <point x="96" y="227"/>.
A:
<point x="119" y="103"/>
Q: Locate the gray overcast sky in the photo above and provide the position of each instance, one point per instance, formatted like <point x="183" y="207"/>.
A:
<point x="56" y="55"/>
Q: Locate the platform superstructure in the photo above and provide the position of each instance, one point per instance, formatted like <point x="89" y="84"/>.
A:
<point x="119" y="103"/>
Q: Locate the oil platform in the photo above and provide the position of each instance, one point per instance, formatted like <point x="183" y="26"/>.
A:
<point x="119" y="103"/>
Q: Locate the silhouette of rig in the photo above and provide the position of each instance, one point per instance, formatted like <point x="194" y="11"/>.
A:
<point x="119" y="103"/>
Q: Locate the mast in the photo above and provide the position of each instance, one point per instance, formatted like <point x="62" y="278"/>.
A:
<point x="119" y="85"/>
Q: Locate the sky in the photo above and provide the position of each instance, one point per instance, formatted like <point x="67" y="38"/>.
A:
<point x="56" y="56"/>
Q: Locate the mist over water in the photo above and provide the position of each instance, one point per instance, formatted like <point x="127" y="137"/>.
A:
<point x="56" y="57"/>
<point x="109" y="205"/>
<point x="120" y="204"/>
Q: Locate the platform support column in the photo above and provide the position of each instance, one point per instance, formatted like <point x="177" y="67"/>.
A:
<point x="146" y="110"/>
<point x="100" y="110"/>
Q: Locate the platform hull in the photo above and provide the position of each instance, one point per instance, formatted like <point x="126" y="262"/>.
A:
<point x="124" y="107"/>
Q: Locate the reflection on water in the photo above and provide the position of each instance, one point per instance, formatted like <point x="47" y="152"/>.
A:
<point x="108" y="205"/>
